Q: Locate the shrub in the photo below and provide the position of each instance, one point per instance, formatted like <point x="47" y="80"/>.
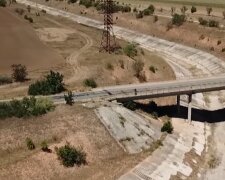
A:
<point x="130" y="50"/>
<point x="135" y="10"/>
<point x="139" y="15"/>
<point x="223" y="50"/>
<point x="193" y="9"/>
<point x="19" y="72"/>
<point x="44" y="146"/>
<point x="155" y="115"/>
<point x="25" y="108"/>
<point x="69" y="98"/>
<point x="51" y="84"/>
<point x="213" y="23"/>
<point x="178" y="19"/>
<point x="219" y="42"/>
<point x="223" y="14"/>
<point x="167" y="127"/>
<point x="155" y="18"/>
<point x="3" y="3"/>
<point x="30" y="144"/>
<point x="86" y="3"/>
<point x="20" y="11"/>
<point x="202" y="21"/>
<point x="152" y="69"/>
<point x="109" y="66"/>
<point x="71" y="1"/>
<point x="43" y="11"/>
<point x="28" y="8"/>
<point x="138" y="66"/>
<point x="130" y="105"/>
<point x="183" y="9"/>
<point x="71" y="156"/>
<point x="209" y="10"/>
<point x="5" y="80"/>
<point x="90" y="83"/>
<point x="169" y="26"/>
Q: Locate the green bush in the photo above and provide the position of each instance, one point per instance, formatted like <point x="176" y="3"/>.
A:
<point x="69" y="98"/>
<point x="130" y="50"/>
<point x="3" y="3"/>
<point x="5" y="80"/>
<point x="71" y="156"/>
<point x="90" y="83"/>
<point x="51" y="84"/>
<point x="30" y="144"/>
<point x="178" y="19"/>
<point x="202" y="21"/>
<point x="167" y="127"/>
<point x="109" y="66"/>
<point x="138" y="67"/>
<point x="213" y="23"/>
<point x="193" y="9"/>
<point x="19" y="72"/>
<point x="152" y="69"/>
<point x="25" y="108"/>
<point x="86" y="3"/>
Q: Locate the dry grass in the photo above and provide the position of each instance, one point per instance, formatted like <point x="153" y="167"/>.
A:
<point x="75" y="124"/>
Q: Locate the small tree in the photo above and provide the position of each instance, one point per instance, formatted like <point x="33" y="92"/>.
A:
<point x="193" y="9"/>
<point x="30" y="144"/>
<point x="155" y="18"/>
<point x="167" y="127"/>
<point x="173" y="9"/>
<point x="19" y="72"/>
<point x="209" y="10"/>
<point x="139" y="15"/>
<point x="69" y="98"/>
<point x="183" y="10"/>
<point x="178" y="19"/>
<point x="223" y="14"/>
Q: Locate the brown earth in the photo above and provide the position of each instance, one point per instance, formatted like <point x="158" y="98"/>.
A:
<point x="20" y="45"/>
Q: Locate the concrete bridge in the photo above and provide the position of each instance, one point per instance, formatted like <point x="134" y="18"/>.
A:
<point x="152" y="90"/>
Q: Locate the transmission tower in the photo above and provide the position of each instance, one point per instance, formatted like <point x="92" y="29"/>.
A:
<point x="108" y="42"/>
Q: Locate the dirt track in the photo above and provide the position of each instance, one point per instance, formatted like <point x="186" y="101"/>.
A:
<point x="20" y="44"/>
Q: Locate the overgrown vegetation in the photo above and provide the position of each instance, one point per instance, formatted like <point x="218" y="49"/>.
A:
<point x="25" y="108"/>
<point x="167" y="127"/>
<point x="51" y="84"/>
<point x="5" y="80"/>
<point x="70" y="156"/>
<point x="178" y="19"/>
<point x="30" y="144"/>
<point x="69" y="98"/>
<point x="152" y="69"/>
<point x="90" y="83"/>
<point x="210" y="23"/>
<point x="19" y="72"/>
<point x="130" y="50"/>
<point x="183" y="9"/>
<point x="3" y="3"/>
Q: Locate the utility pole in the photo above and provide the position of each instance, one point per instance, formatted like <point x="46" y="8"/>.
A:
<point x="108" y="42"/>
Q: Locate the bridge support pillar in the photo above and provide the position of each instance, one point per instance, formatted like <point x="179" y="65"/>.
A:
<point x="178" y="104"/>
<point x="189" y="107"/>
